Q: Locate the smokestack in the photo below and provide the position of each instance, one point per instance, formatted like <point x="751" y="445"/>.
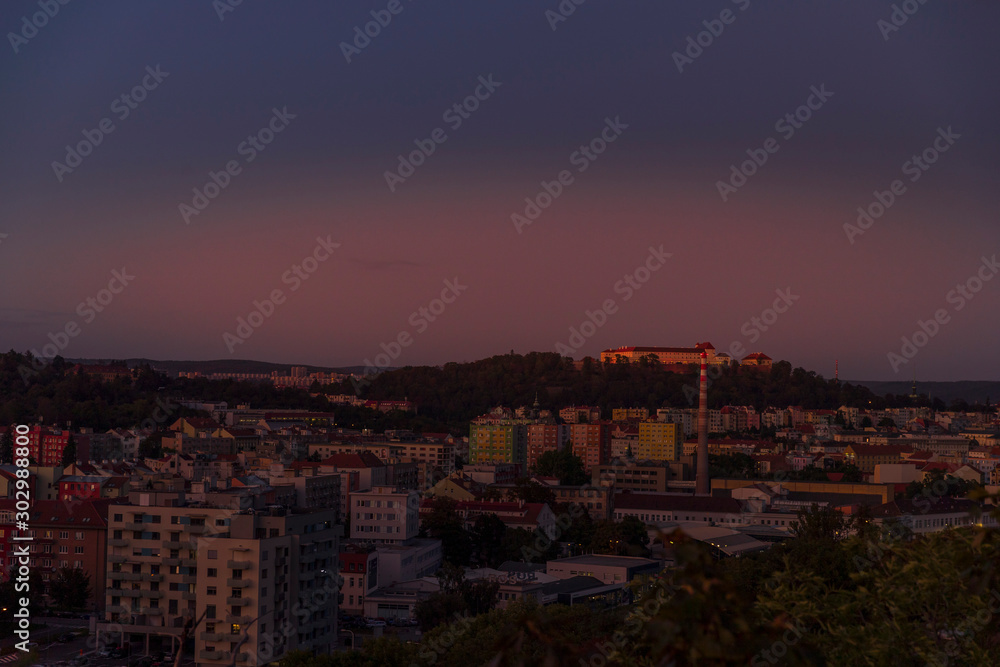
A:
<point x="702" y="487"/>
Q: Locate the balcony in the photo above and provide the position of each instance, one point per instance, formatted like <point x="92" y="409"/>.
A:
<point x="189" y="562"/>
<point x="123" y="576"/>
<point x="115" y="558"/>
<point x="141" y="527"/>
<point x="213" y="636"/>
<point x="185" y="544"/>
<point x="189" y="595"/>
<point x="189" y="579"/>
<point x="238" y="583"/>
<point x="155" y="595"/>
<point x="211" y="655"/>
<point x="239" y="564"/>
<point x="238" y="602"/>
<point x="151" y="611"/>
<point x="242" y="620"/>
<point x="197" y="529"/>
<point x="118" y="543"/>
<point x="117" y="609"/>
<point x="129" y="594"/>
<point x="151" y="577"/>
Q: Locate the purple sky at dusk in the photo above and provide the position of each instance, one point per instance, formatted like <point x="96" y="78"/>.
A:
<point x="655" y="185"/>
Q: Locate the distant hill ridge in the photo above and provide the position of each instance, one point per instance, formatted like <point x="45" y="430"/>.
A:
<point x="219" y="366"/>
<point x="971" y="391"/>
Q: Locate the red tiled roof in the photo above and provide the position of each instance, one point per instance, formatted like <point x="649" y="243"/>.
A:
<point x="79" y="513"/>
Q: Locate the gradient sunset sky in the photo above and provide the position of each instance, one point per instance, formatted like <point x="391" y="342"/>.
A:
<point x="656" y="185"/>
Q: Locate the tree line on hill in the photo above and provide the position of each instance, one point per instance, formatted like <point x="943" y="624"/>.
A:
<point x="447" y="397"/>
<point x="459" y="392"/>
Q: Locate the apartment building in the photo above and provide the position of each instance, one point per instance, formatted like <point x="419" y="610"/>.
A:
<point x="544" y="438"/>
<point x="263" y="581"/>
<point x="46" y="445"/>
<point x="504" y="442"/>
<point x="658" y="441"/>
<point x="385" y="515"/>
<point x="591" y="443"/>
<point x="66" y="534"/>
<point x="359" y="576"/>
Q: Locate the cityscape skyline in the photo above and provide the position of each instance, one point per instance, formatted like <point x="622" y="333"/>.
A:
<point x="705" y="167"/>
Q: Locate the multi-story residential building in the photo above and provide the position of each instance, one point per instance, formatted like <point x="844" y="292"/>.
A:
<point x="504" y="442"/>
<point x="439" y="455"/>
<point x="46" y="445"/>
<point x="591" y="443"/>
<point x="247" y="575"/>
<point x="658" y="441"/>
<point x="623" y="440"/>
<point x="385" y="515"/>
<point x="81" y="487"/>
<point x="686" y="419"/>
<point x="359" y="576"/>
<point x="575" y="414"/>
<point x="629" y="414"/>
<point x="66" y="535"/>
<point x="543" y="438"/>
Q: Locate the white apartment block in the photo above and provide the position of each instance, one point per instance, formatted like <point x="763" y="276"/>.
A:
<point x="384" y="515"/>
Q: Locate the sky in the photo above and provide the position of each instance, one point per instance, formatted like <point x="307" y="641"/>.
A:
<point x="614" y="174"/>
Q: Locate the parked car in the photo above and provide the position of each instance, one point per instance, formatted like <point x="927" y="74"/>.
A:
<point x="116" y="652"/>
<point x="67" y="637"/>
<point x="375" y="623"/>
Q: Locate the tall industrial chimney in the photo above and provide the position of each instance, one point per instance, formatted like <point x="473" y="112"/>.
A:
<point x="702" y="487"/>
